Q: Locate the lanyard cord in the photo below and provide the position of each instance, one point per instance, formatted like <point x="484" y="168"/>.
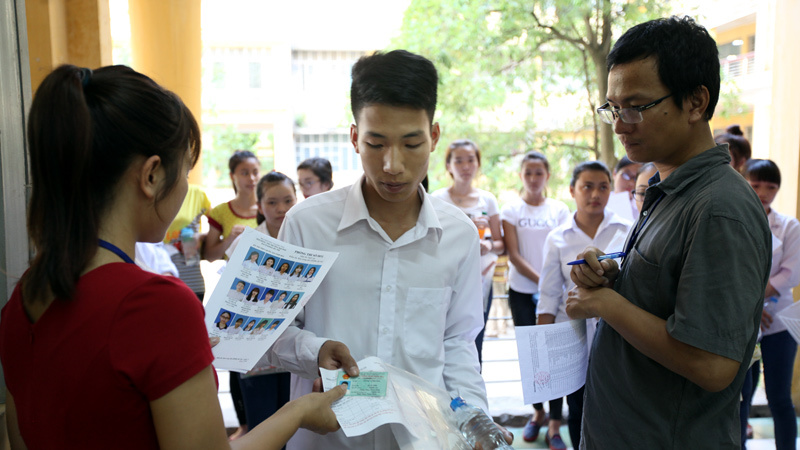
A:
<point x="116" y="250"/>
<point x="647" y="214"/>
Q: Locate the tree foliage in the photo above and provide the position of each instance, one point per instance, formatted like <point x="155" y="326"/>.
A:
<point x="520" y="75"/>
<point x="217" y="150"/>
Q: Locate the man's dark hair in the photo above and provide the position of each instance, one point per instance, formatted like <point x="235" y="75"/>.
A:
<point x="686" y="56"/>
<point x="396" y="78"/>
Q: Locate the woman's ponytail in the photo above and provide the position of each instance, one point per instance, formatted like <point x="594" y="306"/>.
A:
<point x="62" y="220"/>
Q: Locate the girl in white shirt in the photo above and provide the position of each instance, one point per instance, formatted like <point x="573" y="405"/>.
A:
<point x="267" y="268"/>
<point x="252" y="262"/>
<point x="592" y="224"/>
<point x="463" y="162"/>
<point x="265" y="394"/>
<point x="253" y="295"/>
<point x="297" y="272"/>
<point x="283" y="271"/>
<point x="778" y="349"/>
<point x="526" y="222"/>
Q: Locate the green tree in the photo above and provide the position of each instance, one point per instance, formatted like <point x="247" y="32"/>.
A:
<point x="217" y="150"/>
<point x="508" y="68"/>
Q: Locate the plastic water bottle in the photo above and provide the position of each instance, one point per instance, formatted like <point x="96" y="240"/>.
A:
<point x="769" y="305"/>
<point x="477" y="427"/>
<point x="189" y="246"/>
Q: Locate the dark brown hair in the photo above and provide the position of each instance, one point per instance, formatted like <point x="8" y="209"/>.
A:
<point x="266" y="182"/>
<point x="320" y="167"/>
<point x="84" y="130"/>
<point x="738" y="145"/>
<point x="238" y="157"/>
<point x="461" y="143"/>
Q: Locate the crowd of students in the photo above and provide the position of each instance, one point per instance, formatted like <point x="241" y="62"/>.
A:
<point x="110" y="155"/>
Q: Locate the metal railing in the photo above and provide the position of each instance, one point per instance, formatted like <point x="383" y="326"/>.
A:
<point x="736" y="66"/>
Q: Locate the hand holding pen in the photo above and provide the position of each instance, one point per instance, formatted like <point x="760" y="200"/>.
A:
<point x="593" y="268"/>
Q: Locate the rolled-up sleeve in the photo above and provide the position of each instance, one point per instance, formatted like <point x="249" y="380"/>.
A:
<point x="551" y="281"/>
<point x="463" y="323"/>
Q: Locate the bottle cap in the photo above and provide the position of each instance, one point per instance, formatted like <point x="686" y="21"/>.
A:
<point x="187" y="232"/>
<point x="457" y="402"/>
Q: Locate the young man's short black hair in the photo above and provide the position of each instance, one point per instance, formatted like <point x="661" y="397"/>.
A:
<point x="396" y="78"/>
<point x="686" y="56"/>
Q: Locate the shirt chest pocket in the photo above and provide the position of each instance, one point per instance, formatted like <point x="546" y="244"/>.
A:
<point x="424" y="322"/>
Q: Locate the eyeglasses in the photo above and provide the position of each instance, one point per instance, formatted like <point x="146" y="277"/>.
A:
<point x="626" y="176"/>
<point x="308" y="184"/>
<point x="638" y="194"/>
<point x="628" y="115"/>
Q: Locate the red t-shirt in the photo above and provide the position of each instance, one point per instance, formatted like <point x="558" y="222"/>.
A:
<point x="84" y="374"/>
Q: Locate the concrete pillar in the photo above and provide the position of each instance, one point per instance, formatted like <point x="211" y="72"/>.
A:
<point x="781" y="131"/>
<point x="166" y="45"/>
<point x="67" y="31"/>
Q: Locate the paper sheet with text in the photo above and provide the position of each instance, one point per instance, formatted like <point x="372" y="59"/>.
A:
<point x="552" y="359"/>
<point x="265" y="284"/>
<point x="359" y="415"/>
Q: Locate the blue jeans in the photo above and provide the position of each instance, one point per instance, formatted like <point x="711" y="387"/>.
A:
<point x="777" y="354"/>
<point x="479" y="338"/>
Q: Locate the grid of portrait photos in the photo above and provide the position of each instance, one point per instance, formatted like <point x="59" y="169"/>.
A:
<point x="263" y="294"/>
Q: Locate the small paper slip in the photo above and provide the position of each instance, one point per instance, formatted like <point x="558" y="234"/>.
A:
<point x="790" y="316"/>
<point x="417" y="412"/>
<point x="366" y="384"/>
<point x="361" y="414"/>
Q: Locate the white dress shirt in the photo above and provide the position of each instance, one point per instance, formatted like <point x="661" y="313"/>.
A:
<point x="563" y="245"/>
<point x="414" y="302"/>
<point x="153" y="257"/>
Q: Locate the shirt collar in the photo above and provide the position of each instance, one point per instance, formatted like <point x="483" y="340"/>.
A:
<point x="609" y="218"/>
<point x="355" y="210"/>
<point x="693" y="169"/>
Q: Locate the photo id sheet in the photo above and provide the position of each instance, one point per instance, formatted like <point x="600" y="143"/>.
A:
<point x="552" y="359"/>
<point x="265" y="284"/>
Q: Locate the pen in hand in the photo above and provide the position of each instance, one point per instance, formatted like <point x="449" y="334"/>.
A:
<point x="599" y="258"/>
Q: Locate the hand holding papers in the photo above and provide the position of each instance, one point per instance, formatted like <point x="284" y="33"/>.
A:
<point x="263" y="287"/>
<point x="417" y="411"/>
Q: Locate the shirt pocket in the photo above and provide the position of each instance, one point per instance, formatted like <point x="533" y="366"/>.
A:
<point x="641" y="283"/>
<point x="424" y="322"/>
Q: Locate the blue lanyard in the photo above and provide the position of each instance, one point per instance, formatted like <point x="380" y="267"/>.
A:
<point x="647" y="214"/>
<point x="116" y="250"/>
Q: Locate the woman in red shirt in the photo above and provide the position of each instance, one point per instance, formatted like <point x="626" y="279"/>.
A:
<point x="110" y="152"/>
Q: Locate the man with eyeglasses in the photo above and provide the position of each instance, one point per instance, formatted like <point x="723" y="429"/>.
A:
<point x="680" y="315"/>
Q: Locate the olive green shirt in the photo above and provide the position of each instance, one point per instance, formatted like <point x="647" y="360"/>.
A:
<point x="701" y="262"/>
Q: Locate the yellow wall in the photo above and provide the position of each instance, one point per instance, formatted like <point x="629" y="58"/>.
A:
<point x="743" y="32"/>
<point x="67" y="32"/>
<point x="166" y="45"/>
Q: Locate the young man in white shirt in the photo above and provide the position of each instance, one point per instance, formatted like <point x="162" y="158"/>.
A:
<point x="406" y="284"/>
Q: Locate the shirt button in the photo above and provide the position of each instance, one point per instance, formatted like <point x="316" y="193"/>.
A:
<point x="388" y="288"/>
<point x="385" y="330"/>
<point x="644" y="213"/>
